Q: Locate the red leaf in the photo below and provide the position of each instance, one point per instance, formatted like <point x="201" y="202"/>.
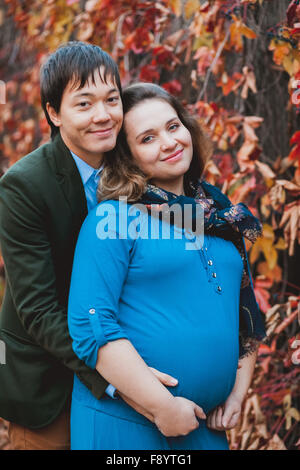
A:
<point x="291" y="12"/>
<point x="262" y="297"/>
<point x="295" y="153"/>
<point x="174" y="87"/>
<point x="149" y="73"/>
<point x="295" y="139"/>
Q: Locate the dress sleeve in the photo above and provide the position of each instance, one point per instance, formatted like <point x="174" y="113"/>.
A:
<point x="100" y="267"/>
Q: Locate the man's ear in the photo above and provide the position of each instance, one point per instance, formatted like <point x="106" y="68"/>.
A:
<point x="54" y="116"/>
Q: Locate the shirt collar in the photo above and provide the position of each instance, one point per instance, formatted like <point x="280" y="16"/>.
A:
<point x="85" y="170"/>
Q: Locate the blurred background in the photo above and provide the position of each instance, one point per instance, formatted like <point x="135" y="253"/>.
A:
<point x="236" y="66"/>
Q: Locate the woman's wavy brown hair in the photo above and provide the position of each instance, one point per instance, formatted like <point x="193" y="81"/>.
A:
<point x="121" y="176"/>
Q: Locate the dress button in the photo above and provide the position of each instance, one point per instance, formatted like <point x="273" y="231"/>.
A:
<point x="92" y="311"/>
<point x="214" y="274"/>
<point x="210" y="262"/>
<point x="219" y="288"/>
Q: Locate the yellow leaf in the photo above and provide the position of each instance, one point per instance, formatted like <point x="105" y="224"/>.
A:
<point x="288" y="64"/>
<point x="191" y="7"/>
<point x="275" y="443"/>
<point x="280" y="245"/>
<point x="296" y="66"/>
<point x="265" y="170"/>
<point x="176" y="6"/>
<point x="255" y="250"/>
<point x="222" y="144"/>
<point x="268" y="232"/>
<point x="264" y="206"/>
<point x="206" y="39"/>
<point x="270" y="253"/>
<point x="291" y="413"/>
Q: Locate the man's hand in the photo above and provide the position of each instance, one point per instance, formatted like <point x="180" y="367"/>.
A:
<point x="177" y="417"/>
<point x="165" y="379"/>
<point x="225" y="416"/>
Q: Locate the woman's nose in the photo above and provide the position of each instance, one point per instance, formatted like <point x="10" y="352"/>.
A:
<point x="167" y="142"/>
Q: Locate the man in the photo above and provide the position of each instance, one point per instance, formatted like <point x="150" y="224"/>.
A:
<point x="44" y="199"/>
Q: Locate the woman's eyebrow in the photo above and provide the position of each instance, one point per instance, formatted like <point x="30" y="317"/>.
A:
<point x="152" y="130"/>
<point x="145" y="132"/>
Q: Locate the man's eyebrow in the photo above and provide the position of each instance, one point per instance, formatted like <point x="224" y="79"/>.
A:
<point x="86" y="93"/>
<point x="152" y="130"/>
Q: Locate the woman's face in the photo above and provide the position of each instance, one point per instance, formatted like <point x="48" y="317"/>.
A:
<point x="160" y="144"/>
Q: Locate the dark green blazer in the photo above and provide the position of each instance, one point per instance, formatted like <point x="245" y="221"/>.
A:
<point x="42" y="207"/>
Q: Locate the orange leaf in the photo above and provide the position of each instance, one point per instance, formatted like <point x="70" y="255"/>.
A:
<point x="274" y="274"/>
<point x="249" y="33"/>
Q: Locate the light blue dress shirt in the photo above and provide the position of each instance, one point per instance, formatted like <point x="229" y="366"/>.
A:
<point x="90" y="179"/>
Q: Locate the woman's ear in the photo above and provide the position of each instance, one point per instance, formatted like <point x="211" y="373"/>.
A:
<point x="54" y="116"/>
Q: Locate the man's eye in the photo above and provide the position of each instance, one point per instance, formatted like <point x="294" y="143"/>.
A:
<point x="83" y="104"/>
<point x="113" y="99"/>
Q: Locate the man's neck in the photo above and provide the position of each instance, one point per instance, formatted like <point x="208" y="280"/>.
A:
<point x="91" y="161"/>
<point x="95" y="161"/>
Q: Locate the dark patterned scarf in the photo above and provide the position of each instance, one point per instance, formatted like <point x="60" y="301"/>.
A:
<point x="231" y="222"/>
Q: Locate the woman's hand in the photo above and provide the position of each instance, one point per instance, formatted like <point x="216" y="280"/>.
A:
<point x="225" y="416"/>
<point x="178" y="417"/>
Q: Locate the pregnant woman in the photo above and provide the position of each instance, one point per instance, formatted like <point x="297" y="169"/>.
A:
<point x="147" y="294"/>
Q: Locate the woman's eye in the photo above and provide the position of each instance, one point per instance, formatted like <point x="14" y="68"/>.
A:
<point x="147" y="139"/>
<point x="173" y="126"/>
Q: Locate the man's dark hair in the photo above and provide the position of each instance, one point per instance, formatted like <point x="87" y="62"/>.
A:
<point x="74" y="61"/>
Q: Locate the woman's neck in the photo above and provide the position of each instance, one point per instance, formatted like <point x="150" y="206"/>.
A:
<point x="173" y="186"/>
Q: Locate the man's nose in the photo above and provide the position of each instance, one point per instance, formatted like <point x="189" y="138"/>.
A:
<point x="101" y="114"/>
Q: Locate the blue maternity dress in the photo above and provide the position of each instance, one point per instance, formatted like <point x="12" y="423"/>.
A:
<point x="179" y="307"/>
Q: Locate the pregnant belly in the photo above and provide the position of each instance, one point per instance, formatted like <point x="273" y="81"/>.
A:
<point x="204" y="363"/>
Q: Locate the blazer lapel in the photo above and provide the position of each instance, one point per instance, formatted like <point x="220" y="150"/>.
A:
<point x="69" y="179"/>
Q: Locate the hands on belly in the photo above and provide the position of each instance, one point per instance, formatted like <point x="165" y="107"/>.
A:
<point x="178" y="418"/>
<point x="225" y="416"/>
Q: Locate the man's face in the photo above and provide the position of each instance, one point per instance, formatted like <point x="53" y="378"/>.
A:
<point x="90" y="118"/>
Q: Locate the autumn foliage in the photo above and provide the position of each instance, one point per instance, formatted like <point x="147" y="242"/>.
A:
<point x="215" y="56"/>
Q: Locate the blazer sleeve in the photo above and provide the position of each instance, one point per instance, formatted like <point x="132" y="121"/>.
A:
<point x="100" y="268"/>
<point x="30" y="273"/>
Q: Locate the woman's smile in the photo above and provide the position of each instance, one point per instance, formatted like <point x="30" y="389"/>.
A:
<point x="174" y="157"/>
<point x="159" y="143"/>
